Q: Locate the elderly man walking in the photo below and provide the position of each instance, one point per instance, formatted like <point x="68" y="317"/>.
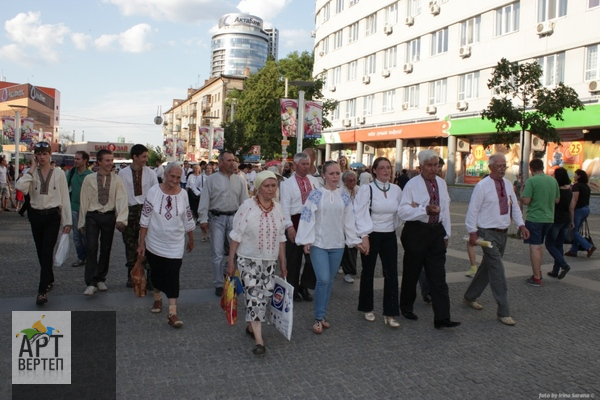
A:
<point x="493" y="204"/>
<point x="222" y="195"/>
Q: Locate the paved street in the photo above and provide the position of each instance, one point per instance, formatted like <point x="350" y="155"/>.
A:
<point x="554" y="349"/>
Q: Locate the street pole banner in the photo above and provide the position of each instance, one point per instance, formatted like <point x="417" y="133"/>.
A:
<point x="169" y="146"/>
<point x="180" y="147"/>
<point x="313" y="117"/>
<point x="203" y="133"/>
<point x="289" y="117"/>
<point x="8" y="128"/>
<point x="28" y="134"/>
<point x="218" y="138"/>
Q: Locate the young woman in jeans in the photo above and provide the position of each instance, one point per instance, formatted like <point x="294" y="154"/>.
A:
<point x="580" y="209"/>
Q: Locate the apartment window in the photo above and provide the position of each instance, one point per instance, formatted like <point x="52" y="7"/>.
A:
<point x="388" y="100"/>
<point x="370" y="64"/>
<point x="593" y="3"/>
<point x="335" y="114"/>
<point x="353" y="33"/>
<point x="336" y="76"/>
<point x="353" y="2"/>
<point x="437" y="92"/>
<point x="413" y="8"/>
<point x="411" y="96"/>
<point x="469" y="31"/>
<point x="371" y="23"/>
<point x="326" y="12"/>
<point x="368" y="102"/>
<point x="389" y="58"/>
<point x="439" y="42"/>
<point x="468" y="86"/>
<point x="338" y="40"/>
<point x="339" y="6"/>
<point x="350" y="108"/>
<point x="352" y="69"/>
<point x="413" y="50"/>
<point x="507" y="19"/>
<point x="391" y="14"/>
<point x="592" y="67"/>
<point x="554" y="69"/>
<point x="551" y="9"/>
<point x="325" y="45"/>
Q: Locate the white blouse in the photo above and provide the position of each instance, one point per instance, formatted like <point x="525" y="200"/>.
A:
<point x="380" y="214"/>
<point x="168" y="218"/>
<point x="257" y="233"/>
<point x="327" y="220"/>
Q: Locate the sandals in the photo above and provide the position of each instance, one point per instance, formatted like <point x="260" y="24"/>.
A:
<point x="317" y="327"/>
<point x="325" y="324"/>
<point x="174" y="321"/>
<point x="41" y="299"/>
<point x="49" y="288"/>
<point x="259" y="350"/>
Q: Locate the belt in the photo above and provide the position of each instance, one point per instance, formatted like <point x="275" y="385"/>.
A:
<point x="424" y="223"/>
<point x="46" y="211"/>
<point x="496" y="230"/>
<point x="101" y="212"/>
<point x="218" y="213"/>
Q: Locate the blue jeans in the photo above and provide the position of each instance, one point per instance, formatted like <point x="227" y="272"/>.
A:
<point x="555" y="240"/>
<point x="580" y="215"/>
<point x="325" y="263"/>
<point x="219" y="228"/>
<point x="78" y="238"/>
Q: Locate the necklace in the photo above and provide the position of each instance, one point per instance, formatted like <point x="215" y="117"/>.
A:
<point x="266" y="210"/>
<point x="384" y="189"/>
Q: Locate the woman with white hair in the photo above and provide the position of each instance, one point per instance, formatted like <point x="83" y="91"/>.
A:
<point x="165" y="221"/>
<point x="258" y="239"/>
<point x="349" y="186"/>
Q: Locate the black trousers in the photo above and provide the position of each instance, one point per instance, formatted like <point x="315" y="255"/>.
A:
<point x="45" y="229"/>
<point x="424" y="247"/>
<point x="349" y="260"/>
<point x="384" y="245"/>
<point x="294" y="254"/>
<point x="98" y="226"/>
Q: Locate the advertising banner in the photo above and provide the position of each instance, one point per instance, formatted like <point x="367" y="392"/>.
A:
<point x="253" y="156"/>
<point x="8" y="128"/>
<point x="218" y="137"/>
<point x="180" y="147"/>
<point x="313" y="117"/>
<point x="289" y="117"/>
<point x="169" y="146"/>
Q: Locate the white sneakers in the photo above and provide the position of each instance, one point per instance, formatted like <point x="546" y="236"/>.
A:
<point x="348" y="278"/>
<point x="507" y="321"/>
<point x="90" y="290"/>
<point x="102" y="286"/>
<point x="370" y="316"/>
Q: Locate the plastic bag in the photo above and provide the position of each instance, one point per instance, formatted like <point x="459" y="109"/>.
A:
<point x="62" y="251"/>
<point x="138" y="278"/>
<point x="231" y="288"/>
<point x="281" y="307"/>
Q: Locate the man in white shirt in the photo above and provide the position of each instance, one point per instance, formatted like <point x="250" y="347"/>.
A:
<point x="186" y="171"/>
<point x="294" y="193"/>
<point x="493" y="204"/>
<point x="160" y="171"/>
<point x="365" y="178"/>
<point x="4" y="183"/>
<point x="425" y="206"/>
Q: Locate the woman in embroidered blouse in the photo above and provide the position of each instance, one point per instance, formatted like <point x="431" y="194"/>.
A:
<point x="258" y="239"/>
<point x="376" y="209"/>
<point x="324" y="234"/>
<point x="349" y="186"/>
<point x="166" y="218"/>
<point x="50" y="208"/>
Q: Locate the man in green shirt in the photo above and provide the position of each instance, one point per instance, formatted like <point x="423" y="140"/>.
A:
<point x="75" y="179"/>
<point x="541" y="193"/>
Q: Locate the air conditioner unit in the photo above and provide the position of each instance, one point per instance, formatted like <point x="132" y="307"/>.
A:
<point x="431" y="109"/>
<point x="410" y="21"/>
<point x="408" y="67"/>
<point x="405" y="106"/>
<point x="361" y="120"/>
<point x="388" y="29"/>
<point x="463" y="146"/>
<point x="347" y="122"/>
<point x="464" y="51"/>
<point x="385" y="73"/>
<point x="545" y="28"/>
<point x="594" y="86"/>
<point x="368" y="149"/>
<point x="321" y="53"/>
<point x="537" y="144"/>
<point x="332" y="88"/>
<point x="462" y="105"/>
<point x="313" y="34"/>
<point x="434" y="9"/>
<point x="366" y="79"/>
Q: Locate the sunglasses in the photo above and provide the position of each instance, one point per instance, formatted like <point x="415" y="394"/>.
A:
<point x="42" y="145"/>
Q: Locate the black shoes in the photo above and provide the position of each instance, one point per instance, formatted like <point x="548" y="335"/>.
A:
<point x="427" y="299"/>
<point x="259" y="350"/>
<point x="297" y="297"/>
<point x="563" y="272"/>
<point x="410" y="315"/>
<point x="445" y="323"/>
<point x="306" y="296"/>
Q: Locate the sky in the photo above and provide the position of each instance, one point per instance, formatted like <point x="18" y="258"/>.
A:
<point x="116" y="62"/>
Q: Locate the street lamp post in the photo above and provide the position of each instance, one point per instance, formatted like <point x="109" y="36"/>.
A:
<point x="211" y="135"/>
<point x="300" y="121"/>
<point x="17" y="110"/>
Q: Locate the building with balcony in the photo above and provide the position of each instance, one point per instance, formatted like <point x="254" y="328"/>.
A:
<point x="413" y="74"/>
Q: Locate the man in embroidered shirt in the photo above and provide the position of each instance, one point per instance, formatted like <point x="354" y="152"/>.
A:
<point x="137" y="180"/>
<point x="186" y="171"/>
<point x="425" y="206"/>
<point x="75" y="178"/>
<point x="294" y="193"/>
<point x="103" y="203"/>
<point x="222" y="195"/>
<point x="493" y="204"/>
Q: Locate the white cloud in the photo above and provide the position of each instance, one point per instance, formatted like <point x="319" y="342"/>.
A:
<point x="294" y="39"/>
<point x="188" y="11"/>
<point x="133" y="40"/>
<point x="81" y="40"/>
<point x="265" y="9"/>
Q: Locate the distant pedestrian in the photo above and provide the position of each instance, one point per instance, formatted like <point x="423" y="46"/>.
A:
<point x="159" y="171"/>
<point x="580" y="210"/>
<point x="350" y="256"/>
<point x="366" y="177"/>
<point x="185" y="172"/>
<point x="75" y="178"/>
<point x="555" y="238"/>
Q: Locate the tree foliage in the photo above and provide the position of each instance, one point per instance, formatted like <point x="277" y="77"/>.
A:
<point x="258" y="109"/>
<point x="235" y="138"/>
<point x="155" y="154"/>
<point x="521" y="103"/>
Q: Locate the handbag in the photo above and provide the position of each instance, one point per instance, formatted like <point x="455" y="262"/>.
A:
<point x="281" y="307"/>
<point x="62" y="251"/>
<point x="585" y="232"/>
<point x="138" y="278"/>
<point x="231" y="288"/>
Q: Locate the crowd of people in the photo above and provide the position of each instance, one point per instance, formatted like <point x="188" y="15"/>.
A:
<point x="302" y="221"/>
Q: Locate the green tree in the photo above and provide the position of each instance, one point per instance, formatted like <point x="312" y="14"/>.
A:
<point x="155" y="154"/>
<point x="235" y="138"/>
<point x="521" y="103"/>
